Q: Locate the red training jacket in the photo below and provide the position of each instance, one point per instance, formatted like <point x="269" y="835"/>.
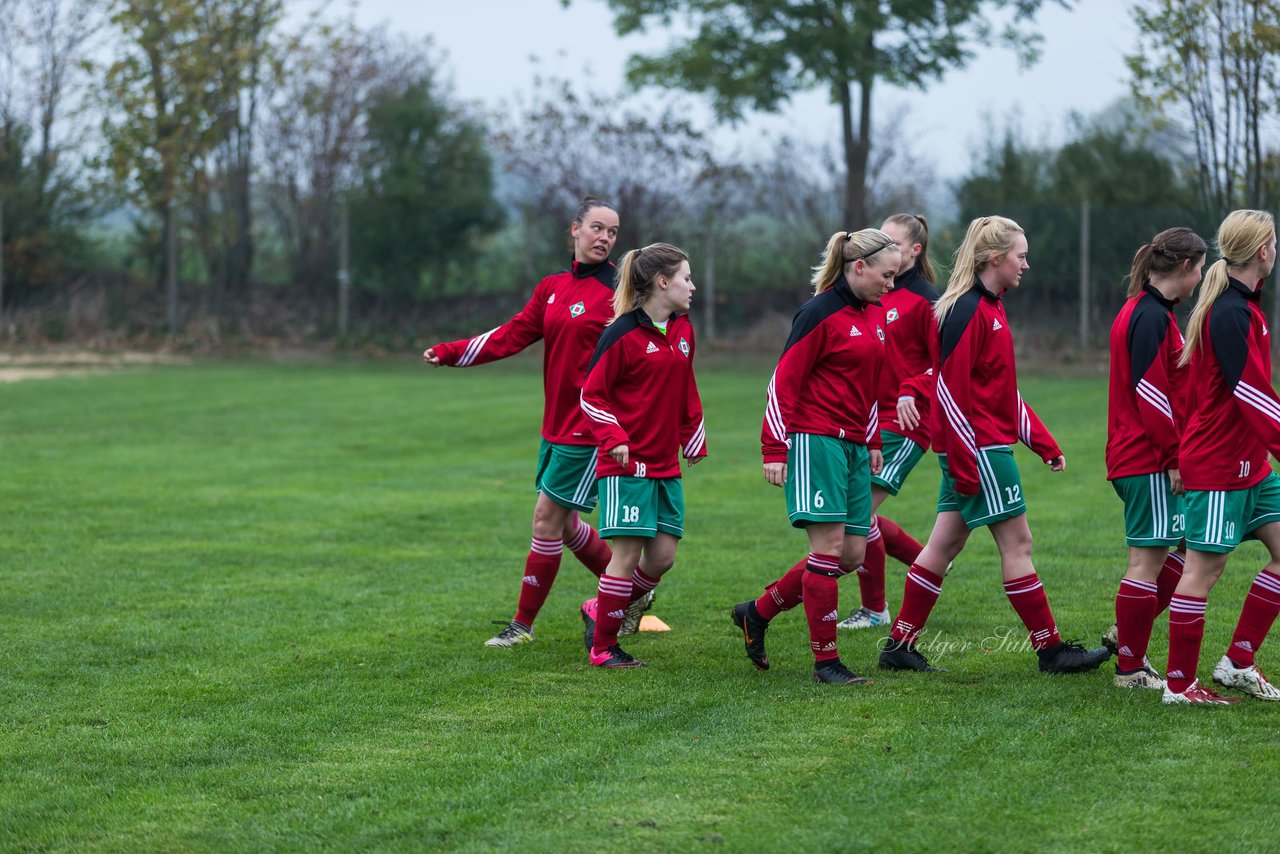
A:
<point x="826" y="380"/>
<point x="640" y="392"/>
<point x="1234" y="414"/>
<point x="569" y="309"/>
<point x="978" y="404"/>
<point x="911" y="345"/>
<point x="1146" y="402"/>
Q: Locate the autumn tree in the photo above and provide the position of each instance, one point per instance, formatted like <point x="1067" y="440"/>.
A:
<point x="756" y="54"/>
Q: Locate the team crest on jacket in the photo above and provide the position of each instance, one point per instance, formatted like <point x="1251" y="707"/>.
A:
<point x="880" y="333"/>
<point x="891" y="316"/>
<point x="576" y="309"/>
<point x="684" y="347"/>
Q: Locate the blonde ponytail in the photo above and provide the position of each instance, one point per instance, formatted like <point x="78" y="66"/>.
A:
<point x="1239" y="237"/>
<point x="986" y="238"/>
<point x="843" y="248"/>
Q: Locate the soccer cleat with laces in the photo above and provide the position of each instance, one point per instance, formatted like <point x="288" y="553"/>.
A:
<point x="615" y="657"/>
<point x="631" y="617"/>
<point x="900" y="655"/>
<point x="588" y="612"/>
<point x="1195" y="695"/>
<point x="865" y="618"/>
<point x="753" y="627"/>
<point x="514" y="633"/>
<point x="1071" y="657"/>
<point x="1144" y="677"/>
<point x="835" y="673"/>
<point x="1111" y="639"/>
<point x="1247" y="679"/>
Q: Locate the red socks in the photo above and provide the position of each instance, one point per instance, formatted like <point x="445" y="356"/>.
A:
<point x="919" y="594"/>
<point x="540" y="569"/>
<point x="1260" y="609"/>
<point x="1026" y="594"/>
<point x="871" y="573"/>
<point x="1186" y="631"/>
<point x="822" y="604"/>
<point x="1136" y="610"/>
<point x="1167" y="581"/>
<point x="899" y="545"/>
<point x="641" y="584"/>
<point x="611" y="604"/>
<point x="783" y="594"/>
<point x="587" y="547"/>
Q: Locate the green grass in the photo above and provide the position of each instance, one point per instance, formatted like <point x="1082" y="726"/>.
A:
<point x="243" y="608"/>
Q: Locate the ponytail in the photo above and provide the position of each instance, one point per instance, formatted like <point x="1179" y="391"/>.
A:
<point x="986" y="238"/>
<point x="1166" y="254"/>
<point x="843" y="248"/>
<point x="1239" y="237"/>
<point x="918" y="232"/>
<point x="638" y="271"/>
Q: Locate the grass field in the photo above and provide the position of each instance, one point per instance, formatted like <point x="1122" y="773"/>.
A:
<point x="242" y="608"/>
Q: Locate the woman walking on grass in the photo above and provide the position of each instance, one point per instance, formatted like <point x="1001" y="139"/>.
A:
<point x="906" y="389"/>
<point x="642" y="405"/>
<point x="821" y="440"/>
<point x="568" y="310"/>
<point x="1146" y="411"/>
<point x="979" y="414"/>
<point x="1231" y="491"/>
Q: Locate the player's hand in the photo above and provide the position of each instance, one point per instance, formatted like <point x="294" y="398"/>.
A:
<point x="431" y="358"/>
<point x="693" y="461"/>
<point x="1175" y="482"/>
<point x="1058" y="463"/>
<point x="620" y="454"/>
<point x="908" y="415"/>
<point x="775" y="473"/>
<point x="877" y="462"/>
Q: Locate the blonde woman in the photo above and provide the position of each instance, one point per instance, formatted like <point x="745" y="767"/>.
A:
<point x="979" y="414"/>
<point x="642" y="403"/>
<point x="821" y="441"/>
<point x="1232" y="494"/>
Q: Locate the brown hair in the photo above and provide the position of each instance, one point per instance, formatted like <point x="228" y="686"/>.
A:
<point x="1164" y="255"/>
<point x="918" y="230"/>
<point x="585" y="207"/>
<point x="638" y="271"/>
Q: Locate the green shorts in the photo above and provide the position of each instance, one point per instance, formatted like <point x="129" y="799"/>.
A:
<point x="641" y="506"/>
<point x="999" y="489"/>
<point x="1153" y="516"/>
<point x="1217" y="520"/>
<point x="828" y="480"/>
<point x="900" y="457"/>
<point x="567" y="475"/>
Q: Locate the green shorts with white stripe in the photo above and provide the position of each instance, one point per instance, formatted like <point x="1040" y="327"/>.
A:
<point x="1153" y="515"/>
<point x="828" y="480"/>
<point x="900" y="457"/>
<point x="567" y="475"/>
<point x="641" y="506"/>
<point x="1217" y="520"/>
<point x="999" y="489"/>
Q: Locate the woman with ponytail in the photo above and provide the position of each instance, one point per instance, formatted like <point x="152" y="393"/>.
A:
<point x="979" y="414"/>
<point x="568" y="310"/>
<point x="1146" y="412"/>
<point x="906" y="387"/>
<point x="1233" y="423"/>
<point x="642" y="405"/>
<point x="821" y="440"/>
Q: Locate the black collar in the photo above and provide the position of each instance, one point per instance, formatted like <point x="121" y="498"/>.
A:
<point x="642" y="317"/>
<point x="982" y="289"/>
<point x="846" y="293"/>
<point x="1251" y="294"/>
<point x="908" y="278"/>
<point x="584" y="271"/>
<point x="1159" y="297"/>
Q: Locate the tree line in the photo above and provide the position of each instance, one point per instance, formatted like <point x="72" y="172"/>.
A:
<point x="212" y="168"/>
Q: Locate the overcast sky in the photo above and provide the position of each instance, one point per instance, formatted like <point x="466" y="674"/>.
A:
<point x="491" y="45"/>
